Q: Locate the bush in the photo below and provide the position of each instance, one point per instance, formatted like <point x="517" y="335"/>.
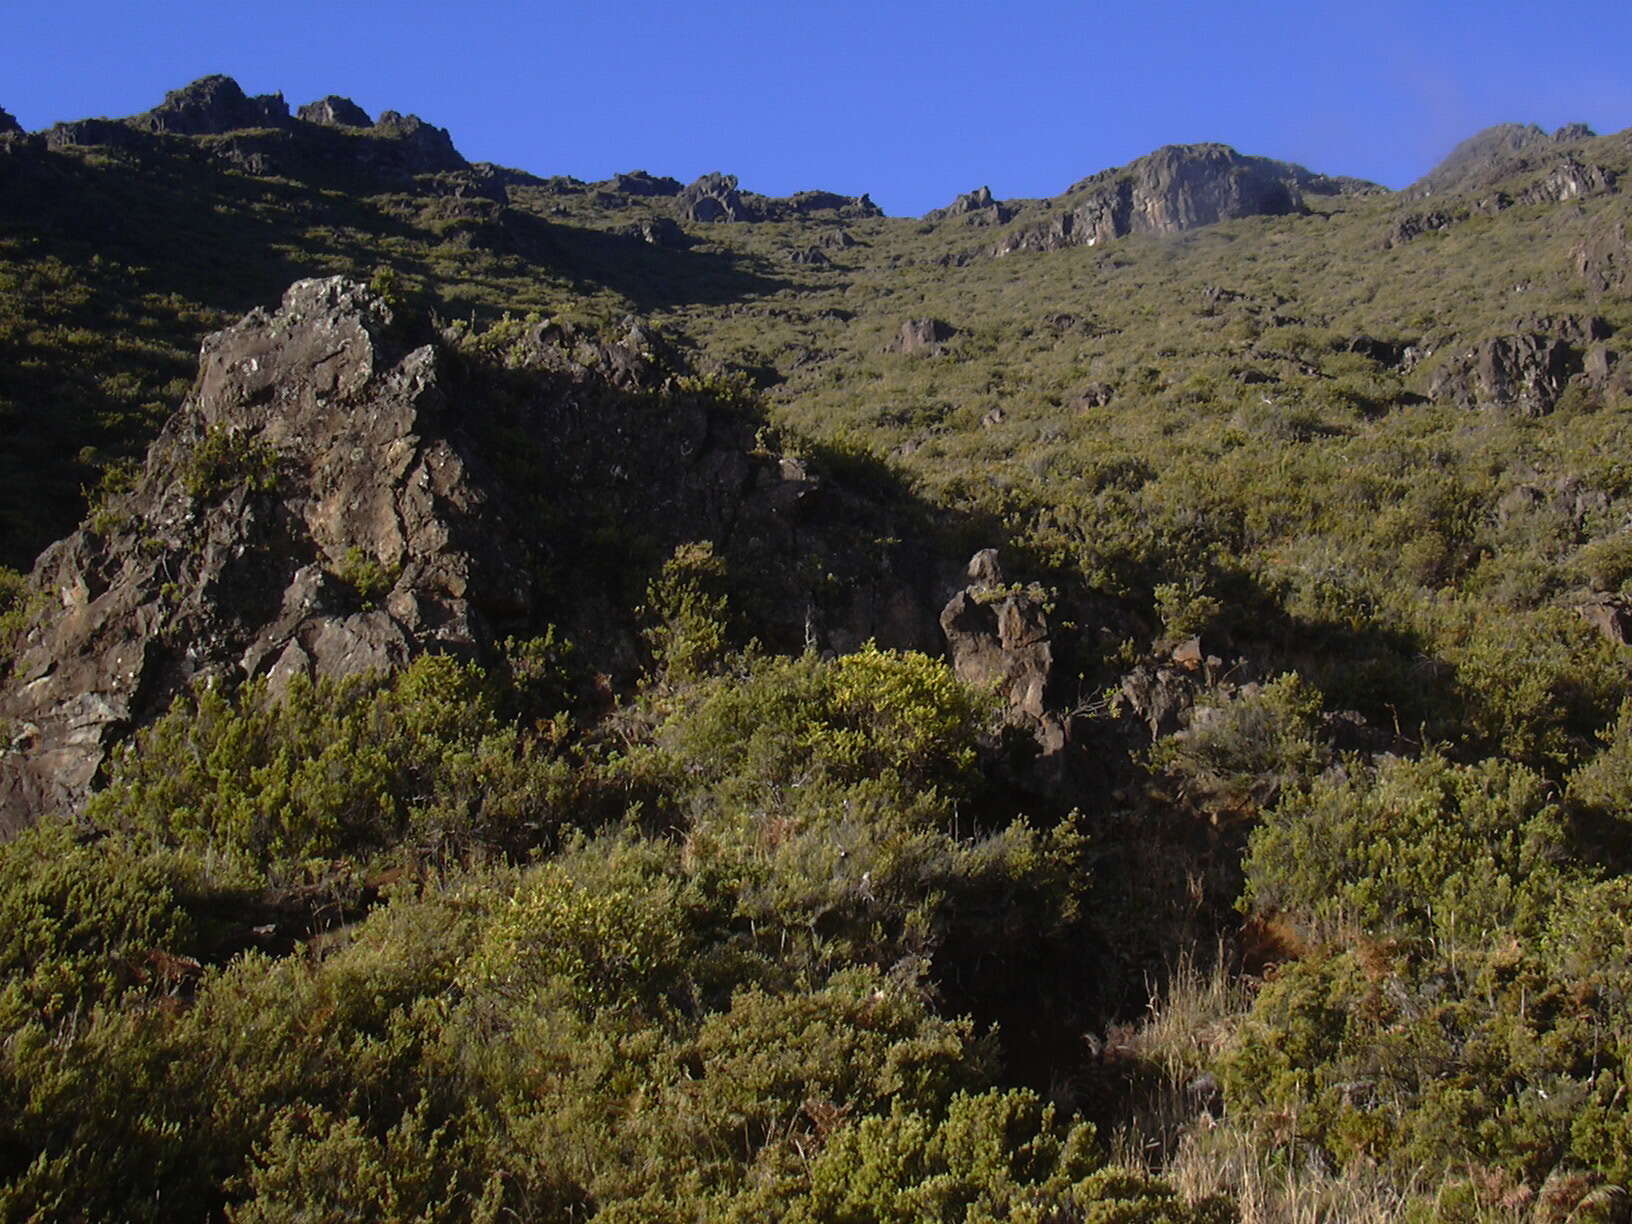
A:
<point x="1413" y="848"/>
<point x="339" y="767"/>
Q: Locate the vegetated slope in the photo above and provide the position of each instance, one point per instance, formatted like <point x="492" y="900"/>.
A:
<point x="1312" y="598"/>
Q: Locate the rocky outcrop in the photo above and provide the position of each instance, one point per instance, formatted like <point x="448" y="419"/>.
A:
<point x="335" y="111"/>
<point x="922" y="336"/>
<point x="342" y="492"/>
<point x="639" y="183"/>
<point x="997" y="637"/>
<point x="426" y="149"/>
<point x="813" y="203"/>
<point x="1497" y="153"/>
<point x="658" y="232"/>
<point x="1568" y="179"/>
<point x="1176" y="188"/>
<point x="713" y="197"/>
<point x="307" y="512"/>
<point x="211" y="105"/>
<point x="1415" y="225"/>
<point x="8" y="124"/>
<point x="1524" y="372"/>
<point x="1610" y="615"/>
<point x="1603" y="260"/>
<point x="977" y="207"/>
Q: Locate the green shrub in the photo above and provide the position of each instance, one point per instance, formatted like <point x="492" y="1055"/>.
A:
<point x="347" y="767"/>
<point x="223" y="459"/>
<point x="1414" y="848"/>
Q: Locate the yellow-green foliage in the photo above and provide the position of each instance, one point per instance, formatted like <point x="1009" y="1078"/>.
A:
<point x="1413" y="848"/>
<point x="337" y="767"/>
<point x="224" y="458"/>
<point x="871" y="714"/>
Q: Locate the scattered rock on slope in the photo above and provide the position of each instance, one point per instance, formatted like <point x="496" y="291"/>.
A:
<point x="922" y="336"/>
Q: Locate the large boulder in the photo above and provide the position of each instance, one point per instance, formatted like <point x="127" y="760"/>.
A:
<point x="922" y="336"/>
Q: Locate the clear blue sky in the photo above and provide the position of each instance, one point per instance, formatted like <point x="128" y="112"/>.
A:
<point x="911" y="100"/>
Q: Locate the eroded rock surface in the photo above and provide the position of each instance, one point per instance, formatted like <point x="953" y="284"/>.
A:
<point x="341" y="493"/>
<point x="1176" y="188"/>
<point x="1524" y="372"/>
<point x="306" y="512"/>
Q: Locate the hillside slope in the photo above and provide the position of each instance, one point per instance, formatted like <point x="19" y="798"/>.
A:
<point x="648" y="700"/>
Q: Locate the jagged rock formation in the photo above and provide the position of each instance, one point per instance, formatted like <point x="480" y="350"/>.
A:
<point x="639" y="183"/>
<point x="331" y="136"/>
<point x="1178" y="187"/>
<point x="338" y="495"/>
<point x="1497" y="153"/>
<point x="977" y="207"/>
<point x="713" y="197"/>
<point x="1524" y="372"/>
<point x="211" y="105"/>
<point x="8" y="124"/>
<point x="306" y="512"/>
<point x="335" y="111"/>
<point x="430" y="148"/>
<point x="998" y="639"/>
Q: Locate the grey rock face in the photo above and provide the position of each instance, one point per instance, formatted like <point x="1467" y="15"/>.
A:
<point x="1496" y="153"/>
<point x="1522" y="373"/>
<point x="713" y="197"/>
<point x="8" y="124"/>
<point x="335" y="111"/>
<point x="922" y="335"/>
<point x="1176" y="188"/>
<point x="314" y="446"/>
<point x="977" y="207"/>
<point x="211" y="105"/>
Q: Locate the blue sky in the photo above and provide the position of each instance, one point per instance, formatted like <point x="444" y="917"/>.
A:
<point x="910" y="100"/>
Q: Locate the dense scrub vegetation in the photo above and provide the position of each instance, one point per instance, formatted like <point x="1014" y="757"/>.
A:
<point x="793" y="936"/>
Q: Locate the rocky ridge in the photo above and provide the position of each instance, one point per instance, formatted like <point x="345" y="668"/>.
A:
<point x="1176" y="188"/>
<point x="342" y="492"/>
